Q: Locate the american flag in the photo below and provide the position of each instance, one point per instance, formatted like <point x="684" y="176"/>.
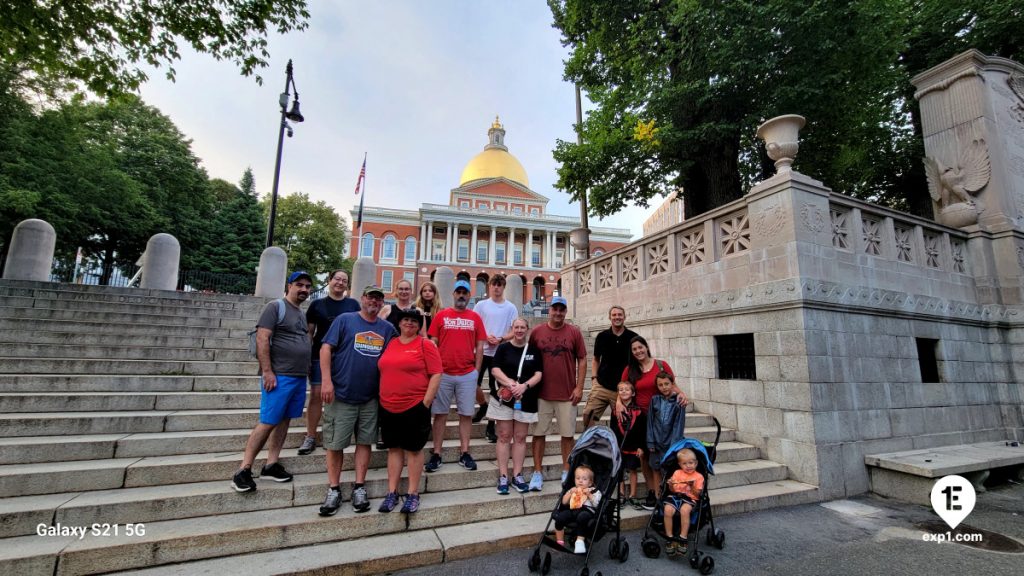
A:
<point x="359" y="186"/>
<point x="362" y="176"/>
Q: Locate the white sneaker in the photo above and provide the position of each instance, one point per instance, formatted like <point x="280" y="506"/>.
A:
<point x="536" y="482"/>
<point x="581" y="547"/>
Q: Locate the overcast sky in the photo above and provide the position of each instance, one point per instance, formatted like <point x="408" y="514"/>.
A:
<point x="414" y="84"/>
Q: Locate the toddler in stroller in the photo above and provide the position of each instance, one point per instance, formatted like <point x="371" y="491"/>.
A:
<point x="587" y="507"/>
<point x="686" y="467"/>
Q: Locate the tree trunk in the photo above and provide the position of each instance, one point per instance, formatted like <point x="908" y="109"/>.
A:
<point x="713" y="180"/>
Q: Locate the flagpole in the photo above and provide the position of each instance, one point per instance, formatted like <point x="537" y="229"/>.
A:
<point x="361" y="190"/>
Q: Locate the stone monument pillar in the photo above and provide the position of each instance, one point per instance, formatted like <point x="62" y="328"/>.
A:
<point x="273" y="273"/>
<point x="31" y="253"/>
<point x="364" y="273"/>
<point x="444" y="279"/>
<point x="160" y="262"/>
<point x="972" y="115"/>
<point x="514" y="291"/>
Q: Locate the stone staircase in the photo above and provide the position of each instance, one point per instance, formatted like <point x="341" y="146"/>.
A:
<point x="129" y="407"/>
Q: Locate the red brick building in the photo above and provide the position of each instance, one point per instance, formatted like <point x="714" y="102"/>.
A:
<point x="493" y="223"/>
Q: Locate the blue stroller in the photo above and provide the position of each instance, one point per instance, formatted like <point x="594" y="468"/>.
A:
<point x="598" y="449"/>
<point x="701" y="515"/>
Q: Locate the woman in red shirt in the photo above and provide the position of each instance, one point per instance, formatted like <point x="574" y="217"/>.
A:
<point x="642" y="371"/>
<point x="410" y="372"/>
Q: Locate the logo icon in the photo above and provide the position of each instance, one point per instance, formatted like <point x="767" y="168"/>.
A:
<point x="953" y="499"/>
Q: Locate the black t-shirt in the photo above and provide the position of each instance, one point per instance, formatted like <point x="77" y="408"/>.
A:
<point x="614" y="354"/>
<point x="506" y="357"/>
<point x="393" y="315"/>
<point x="322" y="312"/>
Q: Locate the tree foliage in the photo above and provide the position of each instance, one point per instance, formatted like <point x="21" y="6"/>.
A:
<point x="104" y="44"/>
<point x="311" y="233"/>
<point x="237" y="228"/>
<point x="680" y="87"/>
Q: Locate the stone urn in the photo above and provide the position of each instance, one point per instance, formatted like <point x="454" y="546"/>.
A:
<point x="580" y="239"/>
<point x="781" y="136"/>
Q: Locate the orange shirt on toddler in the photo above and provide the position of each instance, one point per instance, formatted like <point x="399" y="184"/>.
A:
<point x="686" y="485"/>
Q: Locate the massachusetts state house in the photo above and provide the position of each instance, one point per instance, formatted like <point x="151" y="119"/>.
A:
<point x="493" y="223"/>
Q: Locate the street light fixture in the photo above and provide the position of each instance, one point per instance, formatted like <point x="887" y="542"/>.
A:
<point x="295" y="116"/>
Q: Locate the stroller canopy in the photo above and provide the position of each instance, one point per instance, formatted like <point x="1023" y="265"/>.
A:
<point x="598" y="441"/>
<point x="693" y="444"/>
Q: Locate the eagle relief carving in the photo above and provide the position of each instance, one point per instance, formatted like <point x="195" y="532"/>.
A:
<point x="953" y="188"/>
<point x="1016" y="82"/>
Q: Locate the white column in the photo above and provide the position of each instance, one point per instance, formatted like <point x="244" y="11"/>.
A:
<point x="472" y="246"/>
<point x="448" y="243"/>
<point x="423" y="240"/>
<point x="510" y="250"/>
<point x="528" y="250"/>
<point x="492" y="248"/>
<point x="550" y="259"/>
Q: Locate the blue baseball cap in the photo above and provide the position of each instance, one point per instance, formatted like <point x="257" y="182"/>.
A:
<point x="299" y="274"/>
<point x="462" y="284"/>
<point x="559" y="300"/>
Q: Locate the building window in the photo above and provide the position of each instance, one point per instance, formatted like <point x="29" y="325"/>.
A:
<point x="389" y="249"/>
<point x="518" y="210"/>
<point x="500" y="207"/>
<point x="927" y="360"/>
<point x="481" y="250"/>
<point x="517" y="253"/>
<point x="366" y="245"/>
<point x="437" y="251"/>
<point x="499" y="251"/>
<point x="410" y="277"/>
<point x="464" y="204"/>
<point x="559" y="257"/>
<point x="386" y="280"/>
<point x="535" y="211"/>
<point x="410" y="249"/>
<point x="535" y="258"/>
<point x="464" y="249"/>
<point x="484" y="205"/>
<point x="736" y="357"/>
<point x="598" y="252"/>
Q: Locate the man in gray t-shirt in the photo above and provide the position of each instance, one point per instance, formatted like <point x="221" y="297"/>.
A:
<point x="282" y="348"/>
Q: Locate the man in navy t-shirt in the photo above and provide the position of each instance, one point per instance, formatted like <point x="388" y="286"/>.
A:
<point x="320" y="316"/>
<point x="349" y="390"/>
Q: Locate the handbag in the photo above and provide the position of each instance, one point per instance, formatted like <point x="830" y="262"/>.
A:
<point x="505" y="395"/>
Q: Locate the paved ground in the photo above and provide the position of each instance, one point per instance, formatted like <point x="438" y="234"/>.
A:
<point x="864" y="535"/>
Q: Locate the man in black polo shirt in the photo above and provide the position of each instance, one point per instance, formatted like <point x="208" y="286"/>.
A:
<point x="611" y="353"/>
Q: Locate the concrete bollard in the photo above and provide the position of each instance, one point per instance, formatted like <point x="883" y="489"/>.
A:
<point x="272" y="274"/>
<point x="514" y="290"/>
<point x="31" y="253"/>
<point x="444" y="279"/>
<point x="160" y="263"/>
<point x="364" y="273"/>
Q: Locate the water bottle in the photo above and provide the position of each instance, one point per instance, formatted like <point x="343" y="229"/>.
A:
<point x="518" y="405"/>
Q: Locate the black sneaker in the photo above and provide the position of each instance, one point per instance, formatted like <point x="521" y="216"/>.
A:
<point x="434" y="464"/>
<point x="242" y="481"/>
<point x="467" y="462"/>
<point x="492" y="436"/>
<point x="276" y="472"/>
<point x="480" y="413"/>
<point x="651" y="501"/>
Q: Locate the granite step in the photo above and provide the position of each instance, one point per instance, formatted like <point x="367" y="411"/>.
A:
<point x="78" y="383"/>
<point x="18" y="327"/>
<point x="90" y="338"/>
<point x="123" y="317"/>
<point x="114" y="470"/>
<point x="197" y="308"/>
<point x="29" y="365"/>
<point x="461" y="521"/>
<point x="130" y="352"/>
<point x="125" y="295"/>
<point x="11" y="402"/>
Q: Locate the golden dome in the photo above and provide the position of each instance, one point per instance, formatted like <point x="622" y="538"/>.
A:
<point x="495" y="161"/>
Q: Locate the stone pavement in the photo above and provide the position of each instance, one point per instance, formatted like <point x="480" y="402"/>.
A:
<point x="863" y="535"/>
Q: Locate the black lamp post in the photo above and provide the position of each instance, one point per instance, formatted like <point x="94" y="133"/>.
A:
<point x="295" y="116"/>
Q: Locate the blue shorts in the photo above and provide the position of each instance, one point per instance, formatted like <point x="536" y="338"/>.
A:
<point x="677" y="501"/>
<point x="286" y="400"/>
<point x="315" y="377"/>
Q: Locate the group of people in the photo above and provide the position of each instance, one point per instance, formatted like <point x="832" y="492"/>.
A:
<point x="389" y="375"/>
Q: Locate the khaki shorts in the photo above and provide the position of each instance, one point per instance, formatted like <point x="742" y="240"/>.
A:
<point x="341" y="421"/>
<point x="599" y="399"/>
<point x="498" y="411"/>
<point x="564" y="414"/>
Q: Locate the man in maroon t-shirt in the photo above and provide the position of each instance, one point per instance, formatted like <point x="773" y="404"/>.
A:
<point x="564" y="355"/>
<point x="460" y="335"/>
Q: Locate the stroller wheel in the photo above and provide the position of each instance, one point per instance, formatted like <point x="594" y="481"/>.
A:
<point x="650" y="547"/>
<point x="624" y="551"/>
<point x="613" y="548"/>
<point x="585" y="571"/>
<point x="534" y="562"/>
<point x="695" y="558"/>
<point x="707" y="565"/>
<point x="546" y="566"/>
<point x="719" y="539"/>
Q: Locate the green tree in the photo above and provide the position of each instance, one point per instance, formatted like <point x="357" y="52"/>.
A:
<point x="681" y="85"/>
<point x="237" y="229"/>
<point x="102" y="44"/>
<point x="311" y="233"/>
